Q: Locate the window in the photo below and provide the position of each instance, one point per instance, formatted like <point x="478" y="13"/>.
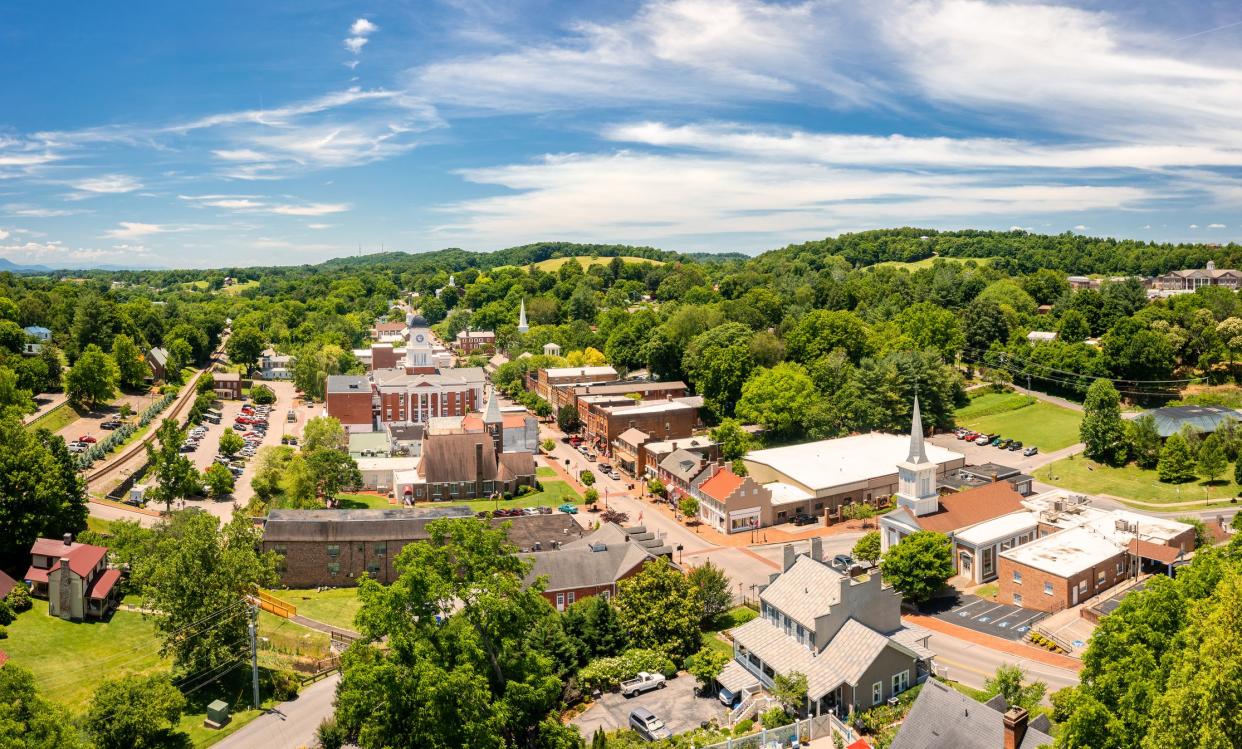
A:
<point x="1017" y="599"/>
<point x="1118" y="568"/>
<point x="373" y="568"/>
<point x="767" y="670"/>
<point x="570" y="599"/>
<point x="1017" y="576"/>
<point x="877" y="693"/>
<point x="901" y="682"/>
<point x="1047" y="589"/>
<point x="560" y="601"/>
<point x="334" y="550"/>
<point x="381" y="549"/>
<point x="1099" y="580"/>
<point x="334" y="568"/>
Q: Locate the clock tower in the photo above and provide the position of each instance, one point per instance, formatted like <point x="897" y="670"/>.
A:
<point x="418" y="347"/>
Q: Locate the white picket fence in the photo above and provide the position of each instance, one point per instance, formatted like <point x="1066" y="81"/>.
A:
<point x="808" y="730"/>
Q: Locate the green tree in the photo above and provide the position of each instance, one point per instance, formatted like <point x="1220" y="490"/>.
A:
<point x="41" y="492"/>
<point x="333" y="471"/>
<point x="175" y="476"/>
<point x="231" y="443"/>
<point x="1145" y="442"/>
<point x="705" y="666"/>
<point x="718" y="362"/>
<point x="1007" y="682"/>
<point x="930" y="326"/>
<point x="919" y="565"/>
<point x="984" y="324"/>
<point x="790" y="690"/>
<point x="197" y="578"/>
<point x="714" y="590"/>
<point x="1212" y="462"/>
<point x="262" y="395"/>
<point x="567" y="418"/>
<point x="592" y="624"/>
<point x="1102" y="431"/>
<point x="587" y="478"/>
<point x="822" y="332"/>
<point x="1074" y="327"/>
<point x="689" y="507"/>
<point x="323" y="433"/>
<point x="1177" y="464"/>
<point x="245" y="345"/>
<point x="92" y="379"/>
<point x="298" y="485"/>
<point x="12" y="396"/>
<point x="180" y="357"/>
<point x="456" y="667"/>
<point x="136" y="712"/>
<point x="778" y="398"/>
<point x="659" y="610"/>
<point x="27" y="720"/>
<point x="733" y="440"/>
<point x="269" y="467"/>
<point x="132" y="370"/>
<point x="867" y="548"/>
<point x="219" y="480"/>
<point x="590" y="496"/>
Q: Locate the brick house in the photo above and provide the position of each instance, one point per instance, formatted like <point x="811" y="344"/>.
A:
<point x="654" y="452"/>
<point x="349" y="400"/>
<point x="336" y="547"/>
<point x="591" y="565"/>
<point x="157" y="360"/>
<point x="228" y="385"/>
<point x="627" y="450"/>
<point x="470" y="341"/>
<point x="73" y="577"/>
<point x="467" y="466"/>
<point x="543" y="380"/>
<point x="662" y="420"/>
<point x="733" y="504"/>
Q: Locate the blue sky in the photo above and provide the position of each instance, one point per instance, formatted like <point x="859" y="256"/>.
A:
<point x="229" y="133"/>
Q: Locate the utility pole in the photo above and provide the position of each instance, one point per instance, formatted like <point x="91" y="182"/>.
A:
<point x="254" y="655"/>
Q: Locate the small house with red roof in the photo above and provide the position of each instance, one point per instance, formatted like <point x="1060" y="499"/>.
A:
<point x="73" y="577"/>
<point x="733" y="504"/>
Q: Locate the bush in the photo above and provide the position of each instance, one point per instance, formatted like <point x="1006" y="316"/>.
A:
<point x="775" y="718"/>
<point x="608" y="673"/>
<point x="4" y="632"/>
<point x="262" y="395"/>
<point x="743" y="727"/>
<point x="284" y="685"/>
<point x="6" y="613"/>
<point x="19" y="598"/>
<point x="330" y="734"/>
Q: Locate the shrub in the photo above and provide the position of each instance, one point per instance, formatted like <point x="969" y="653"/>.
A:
<point x="330" y="734"/>
<point x="262" y="395"/>
<point x="19" y="598"/>
<point x="6" y="613"/>
<point x="608" y="673"/>
<point x="284" y="685"/>
<point x="743" y="727"/>
<point x="4" y="632"/>
<point x="775" y="718"/>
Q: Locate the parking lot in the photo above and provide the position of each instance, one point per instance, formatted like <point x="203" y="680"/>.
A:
<point x="988" y="617"/>
<point x="677" y="705"/>
<point x="277" y="427"/>
<point x="980" y="454"/>
<point x="91" y="424"/>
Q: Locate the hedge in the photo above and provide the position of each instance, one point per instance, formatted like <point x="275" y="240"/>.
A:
<point x="608" y="673"/>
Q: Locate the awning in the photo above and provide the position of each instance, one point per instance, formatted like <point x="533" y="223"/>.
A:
<point x="1155" y="552"/>
<point x="735" y="678"/>
<point x="103" y="584"/>
<point x="36" y="575"/>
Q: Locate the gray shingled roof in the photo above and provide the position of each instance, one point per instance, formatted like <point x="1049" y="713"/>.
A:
<point x="943" y="717"/>
<point x="355" y="525"/>
<point x="348" y="384"/>
<point x="451" y="458"/>
<point x="805" y="591"/>
<point x="683" y="464"/>
<point x="1171" y="419"/>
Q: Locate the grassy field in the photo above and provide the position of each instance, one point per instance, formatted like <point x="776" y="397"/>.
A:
<point x="554" y="493"/>
<point x="927" y="262"/>
<point x="364" y="501"/>
<point x="56" y="419"/>
<point x="545" y="472"/>
<point x="1131" y="482"/>
<point x="1021" y="417"/>
<point x="238" y="288"/>
<point x="554" y="264"/>
<point x="336" y="606"/>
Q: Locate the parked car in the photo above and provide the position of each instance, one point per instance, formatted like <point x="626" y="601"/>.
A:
<point x="569" y="508"/>
<point x="111" y="424"/>
<point x="803" y="518"/>
<point x="87" y="439"/>
<point x="981" y="440"/>
<point x="644" y="682"/>
<point x="996" y="440"/>
<point x="843" y="562"/>
<point x="1032" y="450"/>
<point x="1004" y="444"/>
<point x="1015" y="446"/>
<point x="77" y="447"/>
<point x="239" y="427"/>
<point x="646" y="724"/>
<point x="590" y="457"/>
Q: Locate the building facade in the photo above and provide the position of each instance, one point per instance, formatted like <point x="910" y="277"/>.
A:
<point x="73" y="577"/>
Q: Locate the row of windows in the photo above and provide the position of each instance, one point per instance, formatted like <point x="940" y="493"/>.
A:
<point x="900" y="683"/>
<point x="334" y="568"/>
<point x="334" y="550"/>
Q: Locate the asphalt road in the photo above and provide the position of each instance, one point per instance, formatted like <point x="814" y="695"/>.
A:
<point x="971" y="664"/>
<point x="290" y="725"/>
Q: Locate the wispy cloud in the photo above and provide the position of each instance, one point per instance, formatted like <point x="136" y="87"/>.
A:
<point x="107" y="184"/>
<point x="137" y="230"/>
<point x="359" y="33"/>
<point x="25" y="210"/>
<point x="258" y="204"/>
<point x="1216" y="226"/>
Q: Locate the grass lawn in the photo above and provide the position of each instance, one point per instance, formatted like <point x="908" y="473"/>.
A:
<point x="56" y="419"/>
<point x="1130" y="482"/>
<point x="336" y="606"/>
<point x="734" y="617"/>
<point x="1019" y="417"/>
<point x="554" y="264"/>
<point x="238" y="288"/>
<point x="364" y="501"/>
<point x="718" y="643"/>
<point x="545" y="472"/>
<point x="99" y="525"/>
<point x="554" y="493"/>
<point x="70" y="659"/>
<point x="927" y="262"/>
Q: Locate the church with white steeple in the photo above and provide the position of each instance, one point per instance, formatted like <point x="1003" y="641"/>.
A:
<point x="916" y="475"/>
<point x="522" y="326"/>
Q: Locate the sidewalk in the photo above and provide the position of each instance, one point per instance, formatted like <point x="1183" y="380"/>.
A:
<point x="1019" y="649"/>
<point x="53" y="400"/>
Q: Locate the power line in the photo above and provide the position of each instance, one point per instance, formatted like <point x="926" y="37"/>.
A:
<point x="1134" y="381"/>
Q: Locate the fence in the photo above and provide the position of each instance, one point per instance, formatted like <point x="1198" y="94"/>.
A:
<point x="806" y="730"/>
<point x="274" y="605"/>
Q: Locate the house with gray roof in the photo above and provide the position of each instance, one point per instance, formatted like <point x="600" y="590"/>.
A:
<point x="593" y="564"/>
<point x="843" y="633"/>
<point x="157" y="360"/>
<point x="678" y="471"/>
<point x="944" y="717"/>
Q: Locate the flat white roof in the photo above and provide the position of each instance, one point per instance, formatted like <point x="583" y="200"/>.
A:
<point x="845" y="460"/>
<point x="1005" y="526"/>
<point x="786" y="494"/>
<point x="1065" y="553"/>
<point x="582" y="371"/>
<point x="651" y="408"/>
<point x="387" y="464"/>
<point x="681" y="443"/>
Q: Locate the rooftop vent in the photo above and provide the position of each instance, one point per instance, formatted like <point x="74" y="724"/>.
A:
<point x="599" y="547"/>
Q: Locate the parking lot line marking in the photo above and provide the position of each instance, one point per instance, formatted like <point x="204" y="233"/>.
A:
<point x="984" y="613"/>
<point x="961" y="610"/>
<point x="1029" y="619"/>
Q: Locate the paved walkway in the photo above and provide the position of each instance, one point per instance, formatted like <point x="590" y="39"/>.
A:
<point x="995" y="643"/>
<point x="324" y="627"/>
<point x="1054" y="400"/>
<point x="45" y="402"/>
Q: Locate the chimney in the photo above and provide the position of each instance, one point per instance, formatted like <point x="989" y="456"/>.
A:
<point x="478" y="461"/>
<point x="1015" y="727"/>
<point x="68" y="539"/>
<point x="790" y="558"/>
<point x="817" y="549"/>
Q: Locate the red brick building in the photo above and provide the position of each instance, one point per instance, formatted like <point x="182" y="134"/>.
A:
<point x="350" y="401"/>
<point x="383" y="356"/>
<point x="661" y="420"/>
<point x="544" y="380"/>
<point x="228" y="385"/>
<point x="594" y="564"/>
<point x="470" y="341"/>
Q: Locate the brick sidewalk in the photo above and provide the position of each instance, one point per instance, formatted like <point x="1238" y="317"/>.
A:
<point x="992" y="642"/>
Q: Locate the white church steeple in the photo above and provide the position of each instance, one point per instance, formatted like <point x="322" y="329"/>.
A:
<point x="916" y="475"/>
<point x="522" y="326"/>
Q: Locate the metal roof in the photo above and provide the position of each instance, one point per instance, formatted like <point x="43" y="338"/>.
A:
<point x="1171" y="419"/>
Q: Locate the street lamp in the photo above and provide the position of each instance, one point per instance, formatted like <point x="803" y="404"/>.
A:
<point x="681" y="558"/>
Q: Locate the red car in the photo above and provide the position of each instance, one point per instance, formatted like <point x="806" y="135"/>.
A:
<point x="87" y="439"/>
<point x="244" y="420"/>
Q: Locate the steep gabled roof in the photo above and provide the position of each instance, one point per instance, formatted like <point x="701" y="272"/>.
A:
<point x="944" y="717"/>
<point x="805" y="591"/>
<point x="967" y="508"/>
<point x="722" y="485"/>
<point x="452" y="457"/>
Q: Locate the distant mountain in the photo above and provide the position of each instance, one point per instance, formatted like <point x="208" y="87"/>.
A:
<point x="12" y="267"/>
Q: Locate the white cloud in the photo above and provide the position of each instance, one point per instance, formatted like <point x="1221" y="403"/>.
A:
<point x="26" y="210"/>
<point x="744" y="201"/>
<point x="239" y="154"/>
<point x="359" y="31"/>
<point x="355" y="43"/>
<point x="3" y="235"/>
<point x="136" y="230"/>
<point x="233" y="203"/>
<point x="107" y="184"/>
<point x="319" y="227"/>
<point x="310" y="209"/>
<point x="1194" y="226"/>
<point x="1216" y="226"/>
<point x="1080" y="227"/>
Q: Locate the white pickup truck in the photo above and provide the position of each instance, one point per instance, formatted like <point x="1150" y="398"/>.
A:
<point x="644" y="682"/>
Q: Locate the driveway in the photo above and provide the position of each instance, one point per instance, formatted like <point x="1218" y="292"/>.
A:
<point x="677" y="705"/>
<point x="988" y="617"/>
<point x="980" y="454"/>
